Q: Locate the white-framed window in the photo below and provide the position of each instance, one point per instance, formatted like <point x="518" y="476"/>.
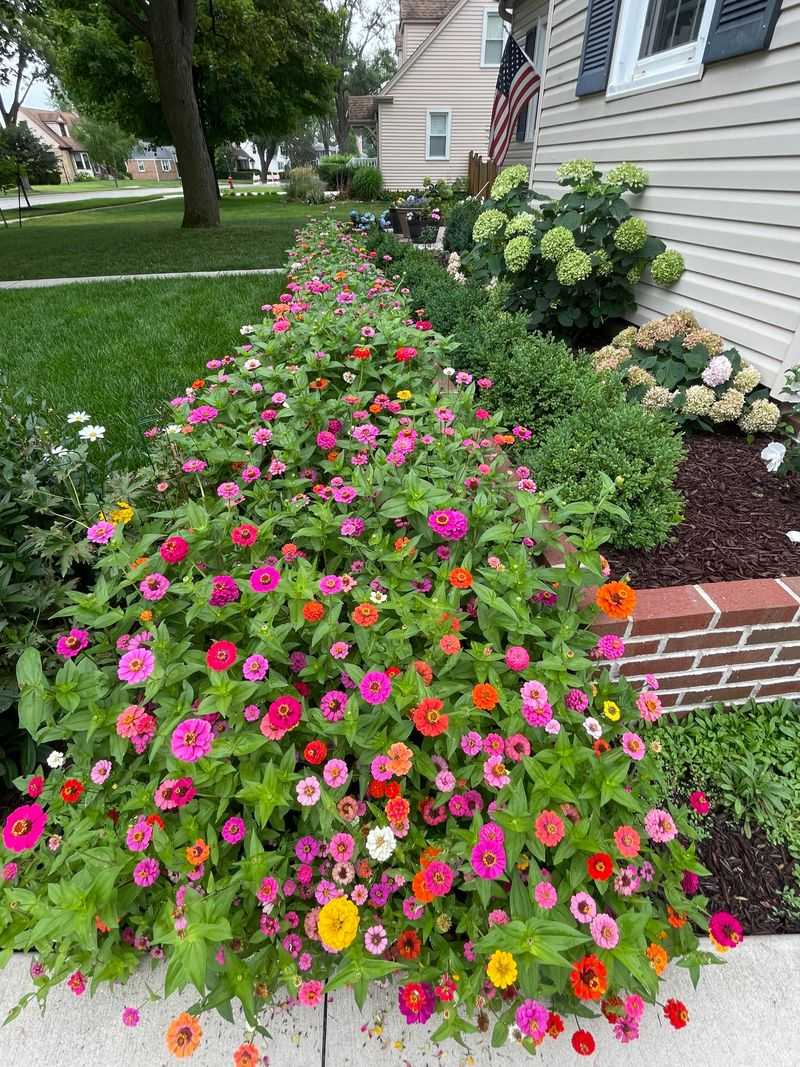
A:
<point x="437" y="133"/>
<point x="81" y="160"/>
<point x="533" y="46"/>
<point x="141" y="166"/>
<point x="659" y="42"/>
<point x="493" y="40"/>
<point x="166" y="165"/>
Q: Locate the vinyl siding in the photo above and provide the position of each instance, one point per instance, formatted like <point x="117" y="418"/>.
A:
<point x="414" y="33"/>
<point x="723" y="155"/>
<point x="446" y="74"/>
<point x="525" y="16"/>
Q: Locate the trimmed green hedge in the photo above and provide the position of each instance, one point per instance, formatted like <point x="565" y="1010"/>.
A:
<point x="582" y="424"/>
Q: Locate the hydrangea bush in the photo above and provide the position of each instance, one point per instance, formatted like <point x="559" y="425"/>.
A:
<point x="327" y="714"/>
<point x="573" y="261"/>
<point x="674" y="363"/>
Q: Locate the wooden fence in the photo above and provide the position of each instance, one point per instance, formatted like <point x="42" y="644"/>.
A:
<point x="481" y="173"/>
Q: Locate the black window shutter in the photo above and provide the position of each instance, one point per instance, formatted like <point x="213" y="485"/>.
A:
<point x="740" y="26"/>
<point x="522" y="120"/>
<point x="598" y="46"/>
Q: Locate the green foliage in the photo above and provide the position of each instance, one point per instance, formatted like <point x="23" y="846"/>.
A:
<point x="335" y="171"/>
<point x="303" y="184"/>
<point x="21" y="148"/>
<point x="588" y="250"/>
<point x="460" y="222"/>
<point x="637" y="449"/>
<point x="106" y="142"/>
<point x="366" y="183"/>
<point x="746" y="758"/>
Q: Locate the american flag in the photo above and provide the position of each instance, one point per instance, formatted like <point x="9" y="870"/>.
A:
<point x="517" y="81"/>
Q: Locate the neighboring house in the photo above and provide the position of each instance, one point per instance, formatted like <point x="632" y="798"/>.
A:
<point x="158" y="163"/>
<point x="705" y="95"/>
<point x="437" y="107"/>
<point x="54" y="128"/>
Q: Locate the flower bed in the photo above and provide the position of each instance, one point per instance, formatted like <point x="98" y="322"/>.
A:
<point x="327" y="715"/>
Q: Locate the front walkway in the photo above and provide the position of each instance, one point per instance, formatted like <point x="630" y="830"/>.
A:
<point x="44" y="283"/>
<point x="742" y="1015"/>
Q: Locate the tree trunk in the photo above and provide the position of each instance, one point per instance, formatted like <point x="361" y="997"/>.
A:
<point x="342" y="125"/>
<point x="266" y="150"/>
<point x="172" y="30"/>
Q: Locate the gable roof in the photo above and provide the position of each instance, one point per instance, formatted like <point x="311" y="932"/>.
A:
<point x="41" y="118"/>
<point x="362" y="110"/>
<point x="425" y="10"/>
<point x="402" y="70"/>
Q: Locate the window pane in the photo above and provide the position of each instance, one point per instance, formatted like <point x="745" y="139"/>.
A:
<point x="493" y="53"/>
<point x="494" y="28"/>
<point x="439" y="123"/>
<point x="438" y="146"/>
<point x="669" y="24"/>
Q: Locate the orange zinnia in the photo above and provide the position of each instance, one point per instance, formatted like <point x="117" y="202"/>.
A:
<point x="247" y="1056"/>
<point x="418" y="888"/>
<point x="450" y="644"/>
<point x="428" y="718"/>
<point x="616" y="600"/>
<point x="197" y="853"/>
<point x="365" y="615"/>
<point x="589" y="978"/>
<point x="400" y="757"/>
<point x="183" y="1035"/>
<point x="658" y="957"/>
<point x="460" y="578"/>
<point x="313" y="611"/>
<point x="484" y="696"/>
<point x="428" y="855"/>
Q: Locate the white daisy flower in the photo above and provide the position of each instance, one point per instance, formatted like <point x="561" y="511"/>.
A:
<point x="92" y="433"/>
<point x="78" y="416"/>
<point x="381" y="843"/>
<point x="449" y="372"/>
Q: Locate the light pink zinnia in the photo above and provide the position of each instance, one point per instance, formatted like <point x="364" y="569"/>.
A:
<point x="136" y="666"/>
<point x="192" y="739"/>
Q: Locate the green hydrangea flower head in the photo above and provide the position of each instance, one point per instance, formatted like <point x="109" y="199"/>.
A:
<point x="556" y="243"/>
<point x="488" y="224"/>
<point x="698" y="400"/>
<point x="625" y="338"/>
<point x="628" y="174"/>
<point x="524" y="223"/>
<point x="634" y="275"/>
<point x="639" y="376"/>
<point x="630" y="235"/>
<point x="761" y="417"/>
<point x="657" y="397"/>
<point x="747" y="379"/>
<point x="574" y="267"/>
<point x="601" y="263"/>
<point x="576" y="172"/>
<point x="667" y="267"/>
<point x="517" y="253"/>
<point x="508" y="179"/>
<point x="728" y="407"/>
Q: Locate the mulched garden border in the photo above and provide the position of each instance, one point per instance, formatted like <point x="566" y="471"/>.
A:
<point x="736" y="518"/>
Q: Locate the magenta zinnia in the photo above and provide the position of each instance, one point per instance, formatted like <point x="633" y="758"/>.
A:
<point x="23" y="827"/>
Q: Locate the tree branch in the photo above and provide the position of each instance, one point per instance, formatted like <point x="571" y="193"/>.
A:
<point x="141" y="26"/>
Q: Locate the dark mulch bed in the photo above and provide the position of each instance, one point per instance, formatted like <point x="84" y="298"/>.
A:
<point x="737" y="515"/>
<point x="748" y="876"/>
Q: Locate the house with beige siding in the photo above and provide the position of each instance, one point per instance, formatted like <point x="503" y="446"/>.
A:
<point x="705" y="95"/>
<point x="56" y="130"/>
<point x="437" y="108"/>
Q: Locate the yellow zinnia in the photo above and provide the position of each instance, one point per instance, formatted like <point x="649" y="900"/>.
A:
<point x="501" y="969"/>
<point x="404" y="394"/>
<point x="338" y="923"/>
<point x="611" y="710"/>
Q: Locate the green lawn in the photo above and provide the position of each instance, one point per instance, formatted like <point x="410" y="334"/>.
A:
<point x="37" y="211"/>
<point x="98" y="185"/>
<point x="120" y="350"/>
<point x="146" y="238"/>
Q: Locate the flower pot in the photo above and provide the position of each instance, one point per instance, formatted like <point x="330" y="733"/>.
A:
<point x="394" y="218"/>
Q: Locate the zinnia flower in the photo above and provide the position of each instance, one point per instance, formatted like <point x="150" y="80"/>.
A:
<point x="375" y="687"/>
<point x="616" y="600"/>
<point x="589" y="978"/>
<point x="136" y="666"/>
<point x="264" y="579"/>
<point x="23" y="827"/>
<point x="416" y="1001"/>
<point x="501" y="969"/>
<point x="192" y="739"/>
<point x="183" y="1035"/>
<point x="221" y="655"/>
<point x="337" y="923"/>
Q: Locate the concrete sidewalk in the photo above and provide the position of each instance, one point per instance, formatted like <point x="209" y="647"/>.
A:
<point x="46" y="283"/>
<point x="744" y="1014"/>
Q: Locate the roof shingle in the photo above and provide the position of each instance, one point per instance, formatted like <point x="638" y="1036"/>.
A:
<point x="362" y="110"/>
<point x="425" y="10"/>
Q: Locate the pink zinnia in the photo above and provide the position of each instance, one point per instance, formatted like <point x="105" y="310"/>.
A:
<point x="341" y="847"/>
<point x="174" y="549"/>
<point x="23" y="827"/>
<point x="545" y="895"/>
<point x="604" y="931"/>
<point x="725" y="929"/>
<point x="69" y="645"/>
<point x="308" y="791"/>
<point x="130" y="1017"/>
<point x="649" y="706"/>
<point x="633" y="746"/>
<point x="203" y="413"/>
<point x="583" y="907"/>
<point x="699" y="802"/>
<point x="532" y="1018"/>
<point x="154" y="586"/>
<point x="100" y="771"/>
<point x="136" y="666"/>
<point x="255" y="668"/>
<point x="660" y="826"/>
<point x="146" y="872"/>
<point x="310" y="993"/>
<point x="376" y="940"/>
<point x="438" y="878"/>
<point x="517" y="658"/>
<point x="488" y="860"/>
<point x="284" y="712"/>
<point x="335" y="773"/>
<point x="192" y="739"/>
<point x="100" y="533"/>
<point x="77" y="983"/>
<point x="330" y="585"/>
<point x="627" y="841"/>
<point x="549" y="828"/>
<point x="138" y="836"/>
<point x="609" y="646"/>
<point x="264" y="579"/>
<point x="375" y="687"/>
<point x="233" y="830"/>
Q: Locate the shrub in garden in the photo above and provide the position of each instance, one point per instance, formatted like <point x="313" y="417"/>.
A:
<point x="460" y="222"/>
<point x="674" y="363"/>
<point x="335" y="171"/>
<point x="574" y="261"/>
<point x="303" y="184"/>
<point x="326" y="717"/>
<point x="640" y="450"/>
<point x="366" y="183"/>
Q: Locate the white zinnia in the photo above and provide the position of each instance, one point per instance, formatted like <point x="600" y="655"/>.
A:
<point x="592" y="727"/>
<point x="251" y="364"/>
<point x="92" y="433"/>
<point x="381" y="843"/>
<point x="78" y="416"/>
<point x="56" y="759"/>
<point x="245" y="331"/>
<point x="773" y="455"/>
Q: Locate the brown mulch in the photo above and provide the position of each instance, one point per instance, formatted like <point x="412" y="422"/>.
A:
<point x="736" y="518"/>
<point x="748" y="876"/>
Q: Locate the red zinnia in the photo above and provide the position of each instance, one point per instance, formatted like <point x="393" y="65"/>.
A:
<point x="377" y="789"/>
<point x="409" y="945"/>
<point x="397" y="810"/>
<point x="583" y="1043"/>
<point x="555" y="1024"/>
<point x="600" y="866"/>
<point x="427" y="717"/>
<point x="393" y="672"/>
<point x="221" y="655"/>
<point x="361" y="352"/>
<point x="315" y="752"/>
<point x="589" y="978"/>
<point x="245" y="534"/>
<point x="71" y="791"/>
<point x="677" y="1013"/>
<point x="391" y="789"/>
<point x="600" y="746"/>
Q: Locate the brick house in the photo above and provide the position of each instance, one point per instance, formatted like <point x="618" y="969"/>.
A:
<point x="159" y="164"/>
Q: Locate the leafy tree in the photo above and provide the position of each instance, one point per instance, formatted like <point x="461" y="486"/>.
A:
<point x="22" y="149"/>
<point x="300" y="146"/>
<point x="106" y="142"/>
<point x="20" y="61"/>
<point x="195" y="73"/>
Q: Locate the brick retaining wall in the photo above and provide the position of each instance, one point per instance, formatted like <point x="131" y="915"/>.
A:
<point x="721" y="642"/>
